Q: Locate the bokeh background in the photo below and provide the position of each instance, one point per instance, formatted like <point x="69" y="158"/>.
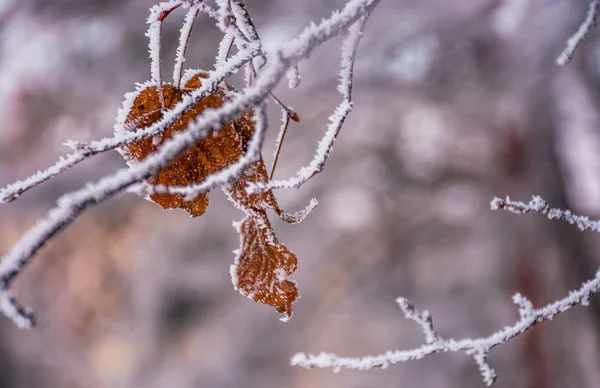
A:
<point x="456" y="102"/>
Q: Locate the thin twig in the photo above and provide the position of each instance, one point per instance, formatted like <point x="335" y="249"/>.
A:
<point x="184" y="40"/>
<point x="575" y="40"/>
<point x="279" y="143"/>
<point x="539" y="205"/>
<point x="158" y="14"/>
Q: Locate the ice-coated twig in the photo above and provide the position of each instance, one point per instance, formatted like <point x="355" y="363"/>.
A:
<point x="158" y="13"/>
<point x="19" y="315"/>
<point x="245" y="33"/>
<point x="488" y="374"/>
<point x="590" y="21"/>
<point x="285" y="122"/>
<point x="225" y="46"/>
<point x="539" y="205"/>
<point x="478" y="348"/>
<point x="424" y="319"/>
<point x="300" y="215"/>
<point x="124" y="136"/>
<point x="224" y="16"/>
<point x="238" y="28"/>
<point x="207" y="9"/>
<point x="193" y="190"/>
<point x="73" y="204"/>
<point x="325" y="146"/>
<point x="243" y="21"/>
<point x="202" y="7"/>
<point x="184" y="39"/>
<point x="293" y="77"/>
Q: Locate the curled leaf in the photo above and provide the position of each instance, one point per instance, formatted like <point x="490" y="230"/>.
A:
<point x="262" y="265"/>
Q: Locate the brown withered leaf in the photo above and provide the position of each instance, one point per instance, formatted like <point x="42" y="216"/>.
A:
<point x="262" y="265"/>
<point x="194" y="164"/>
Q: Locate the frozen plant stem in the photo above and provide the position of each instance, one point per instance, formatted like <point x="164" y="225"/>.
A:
<point x="280" y="138"/>
<point x="575" y="40"/>
<point x="477" y="348"/>
<point x="539" y="205"/>
<point x="184" y="40"/>
<point x="158" y="14"/>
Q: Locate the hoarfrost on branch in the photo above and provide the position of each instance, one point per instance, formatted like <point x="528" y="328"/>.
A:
<point x="575" y="40"/>
<point x="478" y="348"/>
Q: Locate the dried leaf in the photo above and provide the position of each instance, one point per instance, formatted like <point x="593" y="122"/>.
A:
<point x="208" y="156"/>
<point x="262" y="265"/>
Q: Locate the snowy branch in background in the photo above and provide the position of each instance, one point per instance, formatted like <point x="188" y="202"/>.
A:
<point x="538" y="205"/>
<point x="477" y="348"/>
<point x="575" y="40"/>
<point x="72" y="205"/>
<point x="16" y="313"/>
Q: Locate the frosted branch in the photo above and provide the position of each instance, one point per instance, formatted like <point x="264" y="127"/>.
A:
<point x="424" y="319"/>
<point x="538" y="205"/>
<point x="337" y="120"/>
<point x="285" y="122"/>
<point x="184" y="39"/>
<point x="575" y="40"/>
<point x="19" y="315"/>
<point x="293" y="77"/>
<point x="243" y="21"/>
<point x="158" y="13"/>
<point x="478" y="348"/>
<point x="224" y="16"/>
<point x="73" y="204"/>
<point x="225" y="46"/>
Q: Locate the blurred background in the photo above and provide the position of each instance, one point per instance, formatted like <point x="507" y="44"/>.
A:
<point x="455" y="102"/>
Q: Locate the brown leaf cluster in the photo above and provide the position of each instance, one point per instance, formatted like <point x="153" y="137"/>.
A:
<point x="262" y="263"/>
